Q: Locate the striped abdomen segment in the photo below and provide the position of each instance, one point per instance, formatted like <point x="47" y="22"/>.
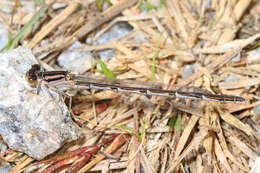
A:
<point x="159" y="92"/>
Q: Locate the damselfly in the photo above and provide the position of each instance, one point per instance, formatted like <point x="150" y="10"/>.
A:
<point x="68" y="79"/>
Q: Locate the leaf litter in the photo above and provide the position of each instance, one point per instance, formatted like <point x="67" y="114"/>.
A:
<point x="217" y="36"/>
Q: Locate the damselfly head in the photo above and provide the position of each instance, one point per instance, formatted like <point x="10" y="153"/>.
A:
<point x="32" y="74"/>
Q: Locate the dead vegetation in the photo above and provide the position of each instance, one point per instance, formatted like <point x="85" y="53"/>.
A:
<point x="164" y="135"/>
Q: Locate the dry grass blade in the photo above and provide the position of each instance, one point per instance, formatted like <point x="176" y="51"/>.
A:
<point x="185" y="135"/>
<point x="236" y="44"/>
<point x="221" y="156"/>
<point x="225" y="149"/>
<point x="230" y="119"/>
<point x="96" y="21"/>
<point x="211" y="67"/>
<point x="120" y="140"/>
<point x="194" y="143"/>
<point x="25" y="161"/>
<point x="205" y="50"/>
<point x="53" y="24"/>
<point x="231" y="17"/>
<point x="243" y="147"/>
<point x="148" y="167"/>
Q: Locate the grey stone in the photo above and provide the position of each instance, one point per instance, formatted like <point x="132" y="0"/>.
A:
<point x="35" y="124"/>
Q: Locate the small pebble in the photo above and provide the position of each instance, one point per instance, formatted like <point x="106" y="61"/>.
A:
<point x="188" y="70"/>
<point x="116" y="32"/>
<point x="75" y="60"/>
<point x="231" y="79"/>
<point x="253" y="56"/>
<point x="256" y="110"/>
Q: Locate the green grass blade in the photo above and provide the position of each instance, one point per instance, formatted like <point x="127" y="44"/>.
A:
<point x="175" y="123"/>
<point x="143" y="129"/>
<point x="182" y="168"/>
<point x="106" y="71"/>
<point x="155" y="55"/>
<point x="129" y="131"/>
<point x="17" y="3"/>
<point x="34" y="19"/>
<point x="99" y="4"/>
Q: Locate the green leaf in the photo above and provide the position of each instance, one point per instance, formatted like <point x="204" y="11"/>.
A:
<point x="143" y="130"/>
<point x="162" y="3"/>
<point x="129" y="131"/>
<point x="99" y="4"/>
<point x="17" y="3"/>
<point x="172" y="122"/>
<point x="155" y="55"/>
<point x="106" y="71"/>
<point x="182" y="168"/>
<point x="175" y="123"/>
<point x="146" y="6"/>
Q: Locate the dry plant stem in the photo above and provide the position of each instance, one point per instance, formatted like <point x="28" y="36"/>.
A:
<point x="136" y="144"/>
<point x="120" y="140"/>
<point x="68" y="155"/>
<point x="225" y="148"/>
<point x="208" y="141"/>
<point x="4" y="21"/>
<point x="194" y="143"/>
<point x="237" y="12"/>
<point x="199" y="165"/>
<point x="184" y="108"/>
<point x="185" y="135"/>
<point x="10" y="157"/>
<point x="230" y="119"/>
<point x="221" y="155"/>
<point x="104" y="17"/>
<point x="67" y="158"/>
<point x="147" y="165"/>
<point x="211" y="67"/>
<point x="161" y="29"/>
<point x="233" y="108"/>
<point x="60" y="164"/>
<point x="243" y="147"/>
<point x="54" y="23"/>
<point x="192" y="22"/>
<point x="131" y="155"/>
<point x="78" y="165"/>
<point x="84" y="154"/>
<point x="228" y="46"/>
<point x="244" y="82"/>
<point x="26" y="160"/>
<point x="175" y="11"/>
<point x="96" y="21"/>
<point x="164" y="160"/>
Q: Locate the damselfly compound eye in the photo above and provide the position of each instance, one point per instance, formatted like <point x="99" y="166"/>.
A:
<point x="32" y="75"/>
